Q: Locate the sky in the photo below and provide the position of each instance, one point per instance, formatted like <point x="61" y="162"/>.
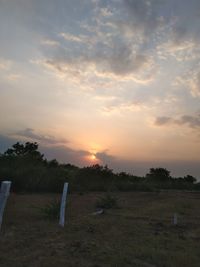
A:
<point x="110" y="82"/>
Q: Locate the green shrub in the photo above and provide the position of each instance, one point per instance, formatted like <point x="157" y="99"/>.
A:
<point x="52" y="210"/>
<point x="107" y="202"/>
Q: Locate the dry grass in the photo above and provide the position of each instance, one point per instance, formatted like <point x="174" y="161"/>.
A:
<point x="138" y="233"/>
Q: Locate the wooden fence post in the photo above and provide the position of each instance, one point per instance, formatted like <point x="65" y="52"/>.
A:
<point x="4" y="193"/>
<point x="62" y="206"/>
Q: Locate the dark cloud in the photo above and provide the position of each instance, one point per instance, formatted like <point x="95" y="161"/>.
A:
<point x="104" y="157"/>
<point x="162" y="120"/>
<point x="53" y="147"/>
<point x="121" y="61"/>
<point x="50" y="149"/>
<point x="179" y="34"/>
<point x="124" y="61"/>
<point x="108" y="52"/>
<point x="183" y="30"/>
<point x="143" y="14"/>
<point x="31" y="134"/>
<point x="191" y="121"/>
<point x="66" y="155"/>
<point x="151" y="17"/>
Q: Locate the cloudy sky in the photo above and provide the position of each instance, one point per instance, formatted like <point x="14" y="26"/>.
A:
<point x="95" y="81"/>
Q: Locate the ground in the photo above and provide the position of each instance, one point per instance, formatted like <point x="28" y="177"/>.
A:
<point x="138" y="233"/>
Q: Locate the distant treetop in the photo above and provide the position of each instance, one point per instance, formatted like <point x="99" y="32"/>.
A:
<point x="27" y="149"/>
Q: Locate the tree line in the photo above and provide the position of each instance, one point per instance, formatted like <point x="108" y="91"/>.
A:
<point x="29" y="171"/>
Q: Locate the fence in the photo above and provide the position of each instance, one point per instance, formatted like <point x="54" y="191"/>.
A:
<point x="5" y="191"/>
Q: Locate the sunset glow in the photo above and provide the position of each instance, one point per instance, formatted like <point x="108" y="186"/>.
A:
<point x="93" y="157"/>
<point x="110" y="82"/>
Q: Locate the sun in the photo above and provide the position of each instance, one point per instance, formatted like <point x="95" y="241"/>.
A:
<point x="93" y="157"/>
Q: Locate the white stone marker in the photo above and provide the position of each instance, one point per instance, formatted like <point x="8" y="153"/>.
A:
<point x="62" y="206"/>
<point x="175" y="221"/>
<point x="4" y="193"/>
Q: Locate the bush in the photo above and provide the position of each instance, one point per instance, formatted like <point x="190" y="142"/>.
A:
<point x="106" y="202"/>
<point x="52" y="210"/>
<point x="93" y="178"/>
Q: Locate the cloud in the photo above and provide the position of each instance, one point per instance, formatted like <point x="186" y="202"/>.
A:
<point x="14" y="77"/>
<point x="104" y="157"/>
<point x="49" y="42"/>
<point x="51" y="148"/>
<point x="143" y="15"/>
<point x="66" y="155"/>
<point x="184" y="46"/>
<point x="122" y="105"/>
<point x="190" y="80"/>
<point x="179" y="34"/>
<point x="98" y="48"/>
<point x="5" y="64"/>
<point x="183" y="49"/>
<point x="195" y="85"/>
<point x="122" y="63"/>
<point x="162" y="121"/>
<point x="29" y="133"/>
<point x="180" y="39"/>
<point x="74" y="38"/>
<point x="189" y="120"/>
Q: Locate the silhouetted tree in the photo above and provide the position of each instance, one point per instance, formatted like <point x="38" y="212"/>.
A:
<point x="158" y="175"/>
<point x="95" y="177"/>
<point x="29" y="172"/>
<point x="190" y="179"/>
<point x="53" y="163"/>
<point x="29" y="149"/>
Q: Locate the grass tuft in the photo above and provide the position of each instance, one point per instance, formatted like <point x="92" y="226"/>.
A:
<point x="107" y="202"/>
<point x="52" y="210"/>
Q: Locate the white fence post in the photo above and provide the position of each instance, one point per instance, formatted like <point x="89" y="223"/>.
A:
<point x="62" y="206"/>
<point x="4" y="193"/>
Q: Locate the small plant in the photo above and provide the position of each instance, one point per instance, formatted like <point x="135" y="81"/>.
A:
<point x="52" y="210"/>
<point x="106" y="202"/>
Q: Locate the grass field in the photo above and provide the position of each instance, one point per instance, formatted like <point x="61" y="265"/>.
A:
<point x="137" y="233"/>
